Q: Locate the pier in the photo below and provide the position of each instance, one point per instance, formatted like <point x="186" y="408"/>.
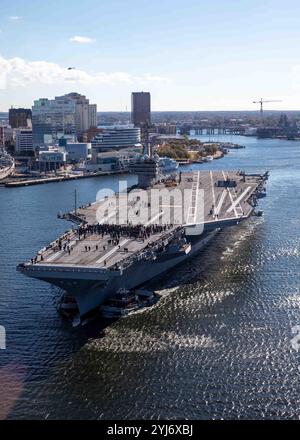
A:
<point x="41" y="181"/>
<point x="212" y="130"/>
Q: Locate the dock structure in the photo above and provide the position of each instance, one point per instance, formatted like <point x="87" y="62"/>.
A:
<point x="228" y="198"/>
<point x="16" y="182"/>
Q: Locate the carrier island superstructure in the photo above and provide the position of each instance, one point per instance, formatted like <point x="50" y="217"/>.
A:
<point x="105" y="251"/>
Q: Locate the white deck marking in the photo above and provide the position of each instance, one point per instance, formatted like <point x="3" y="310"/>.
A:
<point x="107" y="217"/>
<point x="57" y="254"/>
<point x="221" y="201"/>
<point x="192" y="212"/>
<point x="52" y="257"/>
<point x="213" y="192"/>
<point x="116" y="248"/>
<point x="112" y="251"/>
<point x="231" y="198"/>
<point x="239" y="199"/>
<point x="154" y="218"/>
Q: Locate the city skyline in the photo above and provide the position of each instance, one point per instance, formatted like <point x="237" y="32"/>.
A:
<point x="189" y="57"/>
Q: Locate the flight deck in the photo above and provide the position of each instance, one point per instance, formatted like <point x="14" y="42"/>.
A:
<point x="106" y="241"/>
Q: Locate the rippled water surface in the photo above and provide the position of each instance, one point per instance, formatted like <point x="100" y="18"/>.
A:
<point x="217" y="345"/>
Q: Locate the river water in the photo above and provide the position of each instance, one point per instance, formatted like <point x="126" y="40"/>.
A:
<point x="217" y="345"/>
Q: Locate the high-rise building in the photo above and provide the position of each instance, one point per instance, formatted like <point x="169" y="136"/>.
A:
<point x="19" y="117"/>
<point x="24" y="142"/>
<point x="92" y="115"/>
<point x="86" y="113"/>
<point x="140" y="108"/>
<point x="66" y="116"/>
<point x="53" y="119"/>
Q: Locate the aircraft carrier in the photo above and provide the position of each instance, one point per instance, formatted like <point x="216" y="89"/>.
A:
<point x="107" y="249"/>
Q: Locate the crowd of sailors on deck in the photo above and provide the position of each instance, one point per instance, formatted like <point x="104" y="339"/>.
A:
<point x="117" y="231"/>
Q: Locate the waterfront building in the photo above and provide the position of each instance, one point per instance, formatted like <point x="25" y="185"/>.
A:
<point x="78" y="151"/>
<point x="141" y="108"/>
<point x="168" y="129"/>
<point x="20" y="117"/>
<point x="113" y="160"/>
<point x="66" y="116"/>
<point x="116" y="139"/>
<point x="6" y="135"/>
<point x="51" y="158"/>
<point x="24" y="142"/>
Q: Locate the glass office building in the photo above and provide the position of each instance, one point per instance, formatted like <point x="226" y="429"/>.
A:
<point x="53" y="119"/>
<point x="116" y="139"/>
<point x="67" y="116"/>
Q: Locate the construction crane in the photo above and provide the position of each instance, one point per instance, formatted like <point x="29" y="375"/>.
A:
<point x="262" y="102"/>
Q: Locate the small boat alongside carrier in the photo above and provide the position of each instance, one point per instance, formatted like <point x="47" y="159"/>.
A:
<point x="123" y="303"/>
<point x="127" y="301"/>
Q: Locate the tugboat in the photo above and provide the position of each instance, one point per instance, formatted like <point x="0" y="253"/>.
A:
<point x="125" y="302"/>
<point x="119" y="305"/>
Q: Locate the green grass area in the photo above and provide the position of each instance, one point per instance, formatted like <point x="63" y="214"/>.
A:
<point x="178" y="149"/>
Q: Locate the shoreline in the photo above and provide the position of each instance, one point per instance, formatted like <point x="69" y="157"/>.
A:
<point x="218" y="155"/>
<point x="12" y="183"/>
<point x="56" y="179"/>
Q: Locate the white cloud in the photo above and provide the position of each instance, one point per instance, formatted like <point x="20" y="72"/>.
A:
<point x="15" y="17"/>
<point x="82" y="40"/>
<point x="17" y="72"/>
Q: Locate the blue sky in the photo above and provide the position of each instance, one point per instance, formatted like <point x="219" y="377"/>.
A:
<point x="191" y="55"/>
